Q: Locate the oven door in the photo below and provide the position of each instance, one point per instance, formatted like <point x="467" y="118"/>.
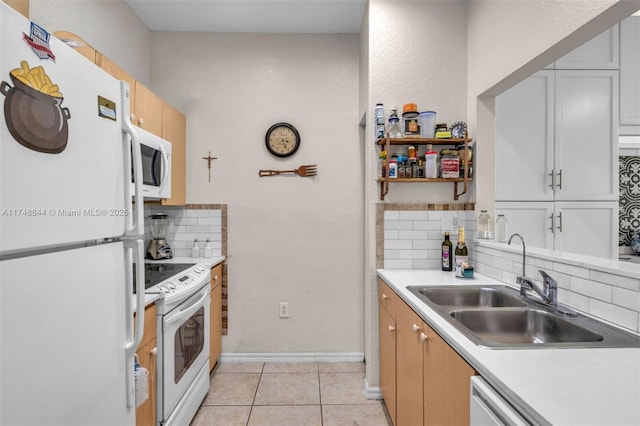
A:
<point x="185" y="346"/>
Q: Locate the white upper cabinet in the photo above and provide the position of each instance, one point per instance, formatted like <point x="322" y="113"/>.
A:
<point x="599" y="53"/>
<point x="630" y="76"/>
<point x="524" y="140"/>
<point x="586" y="135"/>
<point x="556" y="137"/>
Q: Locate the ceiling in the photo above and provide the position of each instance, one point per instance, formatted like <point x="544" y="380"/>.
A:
<point x="254" y="16"/>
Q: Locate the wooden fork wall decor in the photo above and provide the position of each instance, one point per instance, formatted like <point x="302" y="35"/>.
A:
<point x="303" y="171"/>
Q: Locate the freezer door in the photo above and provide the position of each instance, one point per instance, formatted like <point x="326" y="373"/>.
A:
<point x="63" y="336"/>
<point x="61" y="152"/>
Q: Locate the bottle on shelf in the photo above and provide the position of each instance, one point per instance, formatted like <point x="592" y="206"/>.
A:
<point x="501" y="229"/>
<point x="393" y="169"/>
<point x="379" y="121"/>
<point x="447" y="248"/>
<point x="394" y="127"/>
<point x="461" y="253"/>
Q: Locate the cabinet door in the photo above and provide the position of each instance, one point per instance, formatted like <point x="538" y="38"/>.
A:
<point x="408" y="367"/>
<point x="531" y="220"/>
<point x="599" y="53"/>
<point x="21" y="6"/>
<point x="147" y="356"/>
<point x="586" y="135"/>
<point x="80" y="46"/>
<point x="215" y="336"/>
<point x="630" y="76"/>
<point x="149" y="324"/>
<point x="387" y="298"/>
<point x="117" y="72"/>
<point x="524" y="140"/>
<point x="587" y="228"/>
<point x="148" y="110"/>
<point x="174" y="129"/>
<point x="387" y="342"/>
<point x="447" y="379"/>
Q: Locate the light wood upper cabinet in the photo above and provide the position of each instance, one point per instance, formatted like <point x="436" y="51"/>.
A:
<point x="117" y="72"/>
<point x="21" y="6"/>
<point x="78" y="44"/>
<point x="148" y="110"/>
<point x="174" y="129"/>
<point x="215" y="336"/>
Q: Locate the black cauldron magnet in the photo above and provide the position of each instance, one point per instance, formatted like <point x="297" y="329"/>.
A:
<point x="33" y="112"/>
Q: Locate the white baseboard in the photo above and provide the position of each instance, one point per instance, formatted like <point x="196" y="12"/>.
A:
<point x="371" y="392"/>
<point x="293" y="357"/>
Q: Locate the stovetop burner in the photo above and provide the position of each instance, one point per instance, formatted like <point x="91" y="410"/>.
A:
<point x="155" y="273"/>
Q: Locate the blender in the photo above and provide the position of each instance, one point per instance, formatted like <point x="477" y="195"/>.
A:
<point x="158" y="248"/>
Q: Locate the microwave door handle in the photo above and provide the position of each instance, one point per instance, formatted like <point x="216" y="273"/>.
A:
<point x="165" y="165"/>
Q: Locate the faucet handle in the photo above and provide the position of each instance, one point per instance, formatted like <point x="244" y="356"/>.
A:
<point x="547" y="281"/>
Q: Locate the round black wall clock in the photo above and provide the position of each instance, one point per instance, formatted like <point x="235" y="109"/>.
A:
<point x="282" y="139"/>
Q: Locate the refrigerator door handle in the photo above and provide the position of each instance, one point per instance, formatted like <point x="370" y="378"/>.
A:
<point x="136" y="248"/>
<point x="135" y="222"/>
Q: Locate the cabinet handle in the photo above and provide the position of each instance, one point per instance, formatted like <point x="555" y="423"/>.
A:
<point x="423" y="337"/>
<point x="215" y="278"/>
<point x="553" y="179"/>
<point x="415" y="328"/>
<point x="132" y="117"/>
<point x="392" y="328"/>
<point x="384" y="296"/>
<point x="560" y="221"/>
<point x="552" y="228"/>
<point x="560" y="179"/>
<point x="141" y="121"/>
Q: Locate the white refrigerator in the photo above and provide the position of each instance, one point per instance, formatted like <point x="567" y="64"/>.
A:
<point x="69" y="235"/>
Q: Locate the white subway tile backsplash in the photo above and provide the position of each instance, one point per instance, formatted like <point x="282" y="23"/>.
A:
<point x="391" y="254"/>
<point x="616" y="280"/>
<point x="398" y="264"/>
<point x="398" y="224"/>
<point x="398" y="244"/>
<point x="571" y="270"/>
<point x="575" y="300"/>
<point x="621" y="316"/>
<point x="391" y="215"/>
<point x="413" y="215"/>
<point x="590" y="288"/>
<point x="412" y="235"/>
<point x="626" y="298"/>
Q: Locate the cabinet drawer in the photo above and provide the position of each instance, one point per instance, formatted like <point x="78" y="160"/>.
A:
<point x="387" y="298"/>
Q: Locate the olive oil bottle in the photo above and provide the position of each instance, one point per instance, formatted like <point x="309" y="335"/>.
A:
<point x="447" y="251"/>
<point x="462" y="254"/>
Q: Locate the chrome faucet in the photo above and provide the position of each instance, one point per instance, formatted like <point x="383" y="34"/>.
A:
<point x="549" y="292"/>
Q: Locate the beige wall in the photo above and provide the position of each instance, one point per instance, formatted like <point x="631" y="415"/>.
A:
<point x="109" y="26"/>
<point x="291" y="239"/>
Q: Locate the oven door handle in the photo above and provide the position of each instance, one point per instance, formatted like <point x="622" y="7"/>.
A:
<point x="189" y="309"/>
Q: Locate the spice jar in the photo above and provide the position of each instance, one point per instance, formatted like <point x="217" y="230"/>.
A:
<point x="410" y="120"/>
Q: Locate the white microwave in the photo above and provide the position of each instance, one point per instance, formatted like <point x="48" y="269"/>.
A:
<point x="156" y="165"/>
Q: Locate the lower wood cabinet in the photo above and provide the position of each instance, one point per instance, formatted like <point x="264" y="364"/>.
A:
<point x="423" y="380"/>
<point x="147" y="357"/>
<point x="215" y="336"/>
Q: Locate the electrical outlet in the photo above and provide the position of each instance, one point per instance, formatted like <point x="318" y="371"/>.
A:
<point x="284" y="309"/>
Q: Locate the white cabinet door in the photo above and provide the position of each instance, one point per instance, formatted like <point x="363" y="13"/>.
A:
<point x="524" y="140"/>
<point x="588" y="228"/>
<point x="586" y="129"/>
<point x="630" y="76"/>
<point x="601" y="53"/>
<point x="532" y="220"/>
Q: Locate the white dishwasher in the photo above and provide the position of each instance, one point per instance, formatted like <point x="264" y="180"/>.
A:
<point x="489" y="409"/>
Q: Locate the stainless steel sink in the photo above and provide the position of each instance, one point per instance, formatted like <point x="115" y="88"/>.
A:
<point x="522" y="326"/>
<point x="469" y="296"/>
<point x="497" y="317"/>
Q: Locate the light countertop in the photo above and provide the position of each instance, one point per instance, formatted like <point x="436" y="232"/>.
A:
<point x="549" y="386"/>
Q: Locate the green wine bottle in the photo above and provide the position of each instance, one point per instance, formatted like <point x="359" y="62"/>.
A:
<point x="447" y="249"/>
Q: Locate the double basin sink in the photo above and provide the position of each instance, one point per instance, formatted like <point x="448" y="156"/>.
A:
<point x="497" y="317"/>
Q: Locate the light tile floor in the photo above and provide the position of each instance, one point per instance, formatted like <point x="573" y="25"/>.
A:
<point x="296" y="394"/>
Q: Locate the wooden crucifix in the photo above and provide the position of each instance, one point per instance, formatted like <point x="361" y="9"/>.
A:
<point x="209" y="158"/>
